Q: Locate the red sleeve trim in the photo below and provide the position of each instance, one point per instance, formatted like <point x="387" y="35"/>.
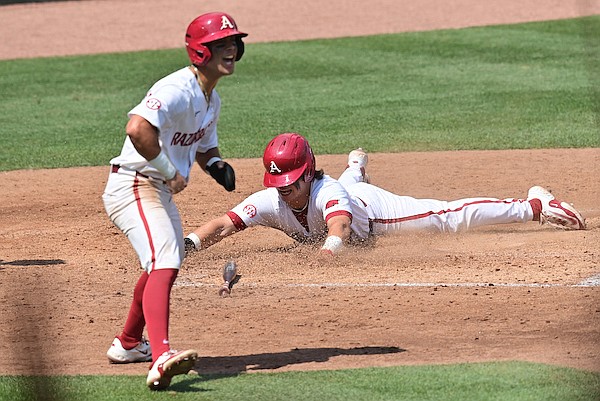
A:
<point x="338" y="213"/>
<point x="237" y="222"/>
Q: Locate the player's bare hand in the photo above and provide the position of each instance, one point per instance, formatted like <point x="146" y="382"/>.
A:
<point x="177" y="183"/>
<point x="323" y="256"/>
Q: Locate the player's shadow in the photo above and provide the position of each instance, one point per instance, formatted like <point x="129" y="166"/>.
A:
<point x="275" y="360"/>
<point x="210" y="368"/>
<point x="32" y="262"/>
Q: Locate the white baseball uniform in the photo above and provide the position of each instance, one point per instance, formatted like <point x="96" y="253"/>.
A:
<point x="374" y="211"/>
<point x="136" y="197"/>
<point x="328" y="198"/>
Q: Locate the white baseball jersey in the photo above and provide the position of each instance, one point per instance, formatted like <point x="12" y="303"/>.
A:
<point x="328" y="198"/>
<point x="186" y="123"/>
<point x="136" y="197"/>
<point x="373" y="210"/>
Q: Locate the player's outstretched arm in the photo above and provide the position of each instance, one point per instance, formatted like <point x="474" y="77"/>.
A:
<point x="338" y="232"/>
<point x="211" y="233"/>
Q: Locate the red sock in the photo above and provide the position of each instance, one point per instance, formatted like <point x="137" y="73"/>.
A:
<point x="536" y="205"/>
<point x="134" y="325"/>
<point x="155" y="302"/>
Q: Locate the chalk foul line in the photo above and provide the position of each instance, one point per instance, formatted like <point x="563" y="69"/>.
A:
<point x="593" y="281"/>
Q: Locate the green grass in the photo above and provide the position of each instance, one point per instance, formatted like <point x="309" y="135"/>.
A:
<point x="506" y="381"/>
<point x="532" y="85"/>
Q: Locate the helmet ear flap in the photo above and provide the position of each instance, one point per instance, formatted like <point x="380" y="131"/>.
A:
<point x="203" y="53"/>
<point x="240" y="48"/>
<point x="309" y="173"/>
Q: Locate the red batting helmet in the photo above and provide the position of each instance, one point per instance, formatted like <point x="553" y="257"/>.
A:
<point x="208" y="28"/>
<point x="287" y="158"/>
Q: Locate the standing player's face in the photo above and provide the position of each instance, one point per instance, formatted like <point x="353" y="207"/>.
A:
<point x="295" y="195"/>
<point x="223" y="53"/>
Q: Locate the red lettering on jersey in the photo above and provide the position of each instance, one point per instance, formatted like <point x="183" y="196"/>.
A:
<point x="331" y="203"/>
<point x="181" y="139"/>
<point x="153" y="103"/>
<point x="187" y="139"/>
<point x="199" y="135"/>
<point x="176" y="139"/>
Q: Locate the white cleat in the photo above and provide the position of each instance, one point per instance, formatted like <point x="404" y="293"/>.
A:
<point x="140" y="353"/>
<point x="359" y="158"/>
<point x="169" y="364"/>
<point x="556" y="213"/>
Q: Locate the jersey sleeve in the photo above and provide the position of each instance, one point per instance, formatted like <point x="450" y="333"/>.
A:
<point x="334" y="200"/>
<point x="162" y="106"/>
<point x="256" y="210"/>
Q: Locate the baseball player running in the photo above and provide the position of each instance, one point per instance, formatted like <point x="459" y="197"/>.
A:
<point x="310" y="206"/>
<point x="173" y="126"/>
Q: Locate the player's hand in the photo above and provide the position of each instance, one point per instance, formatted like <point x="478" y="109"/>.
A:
<point x="325" y="253"/>
<point x="223" y="173"/>
<point x="318" y="259"/>
<point x="324" y="256"/>
<point x="177" y="183"/>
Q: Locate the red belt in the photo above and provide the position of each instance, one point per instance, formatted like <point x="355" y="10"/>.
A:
<point x="114" y="168"/>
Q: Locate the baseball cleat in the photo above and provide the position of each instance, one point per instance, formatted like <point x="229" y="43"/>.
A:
<point x="169" y="364"/>
<point x="556" y="213"/>
<point x="359" y="158"/>
<point x="140" y="353"/>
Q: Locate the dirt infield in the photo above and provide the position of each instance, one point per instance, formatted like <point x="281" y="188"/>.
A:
<point x="513" y="292"/>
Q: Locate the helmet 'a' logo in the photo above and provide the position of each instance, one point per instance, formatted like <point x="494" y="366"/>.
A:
<point x="225" y="23"/>
<point x="273" y="168"/>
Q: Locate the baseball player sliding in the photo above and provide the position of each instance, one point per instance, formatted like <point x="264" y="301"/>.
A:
<point x="173" y="126"/>
<point x="310" y="206"/>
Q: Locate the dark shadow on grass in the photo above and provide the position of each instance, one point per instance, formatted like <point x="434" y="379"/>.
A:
<point x="32" y="262"/>
<point x="244" y="363"/>
<point x="38" y="382"/>
<point x="211" y="368"/>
